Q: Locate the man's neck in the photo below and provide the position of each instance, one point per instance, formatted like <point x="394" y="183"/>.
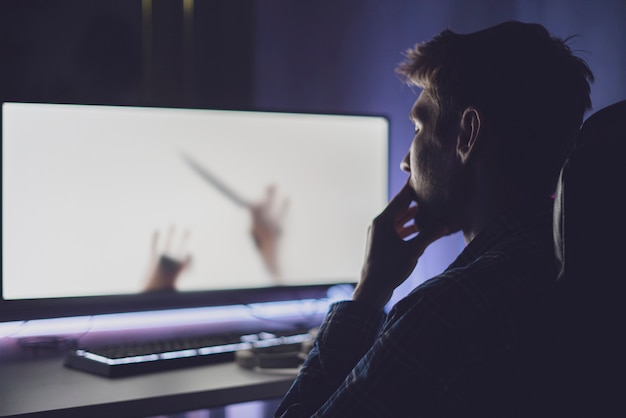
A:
<point x="490" y="201"/>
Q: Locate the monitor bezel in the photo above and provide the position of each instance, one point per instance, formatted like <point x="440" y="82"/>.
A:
<point x="45" y="308"/>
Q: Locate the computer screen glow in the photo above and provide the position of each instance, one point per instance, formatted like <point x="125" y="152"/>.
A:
<point x="94" y="195"/>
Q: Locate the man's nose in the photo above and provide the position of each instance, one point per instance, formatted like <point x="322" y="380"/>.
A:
<point x="405" y="165"/>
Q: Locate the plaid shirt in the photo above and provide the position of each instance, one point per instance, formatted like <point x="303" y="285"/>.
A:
<point x="468" y="342"/>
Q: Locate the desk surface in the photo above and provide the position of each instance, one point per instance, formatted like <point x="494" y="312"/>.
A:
<point x="44" y="388"/>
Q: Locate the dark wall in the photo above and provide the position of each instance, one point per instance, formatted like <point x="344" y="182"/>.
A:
<point x="128" y="52"/>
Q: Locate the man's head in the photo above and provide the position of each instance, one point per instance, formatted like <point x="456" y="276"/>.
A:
<point x="513" y="86"/>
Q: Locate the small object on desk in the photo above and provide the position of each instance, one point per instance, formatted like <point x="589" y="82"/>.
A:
<point x="282" y="356"/>
<point x="286" y="356"/>
<point x="127" y="359"/>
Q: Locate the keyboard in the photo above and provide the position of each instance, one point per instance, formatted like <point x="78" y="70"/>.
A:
<point x="133" y="358"/>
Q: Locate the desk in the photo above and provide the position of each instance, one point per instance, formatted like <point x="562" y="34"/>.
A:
<point x="44" y="388"/>
<point x="34" y="382"/>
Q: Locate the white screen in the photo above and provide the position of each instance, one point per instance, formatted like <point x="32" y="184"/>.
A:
<point x="86" y="187"/>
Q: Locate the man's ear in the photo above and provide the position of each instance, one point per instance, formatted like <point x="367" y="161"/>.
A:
<point x="471" y="126"/>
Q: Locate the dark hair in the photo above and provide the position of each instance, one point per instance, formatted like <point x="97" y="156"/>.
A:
<point x="529" y="85"/>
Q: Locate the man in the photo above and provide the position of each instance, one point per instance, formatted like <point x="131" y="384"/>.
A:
<point x="498" y="110"/>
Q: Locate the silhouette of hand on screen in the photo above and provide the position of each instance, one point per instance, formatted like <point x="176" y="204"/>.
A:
<point x="167" y="264"/>
<point x="267" y="224"/>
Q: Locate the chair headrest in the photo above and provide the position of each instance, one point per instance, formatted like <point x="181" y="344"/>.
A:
<point x="590" y="204"/>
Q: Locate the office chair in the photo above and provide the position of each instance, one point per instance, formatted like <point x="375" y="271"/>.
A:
<point x="590" y="240"/>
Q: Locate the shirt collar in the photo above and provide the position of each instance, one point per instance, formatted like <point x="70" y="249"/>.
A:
<point x="530" y="219"/>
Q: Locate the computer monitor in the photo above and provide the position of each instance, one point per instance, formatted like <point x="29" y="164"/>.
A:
<point x="118" y="208"/>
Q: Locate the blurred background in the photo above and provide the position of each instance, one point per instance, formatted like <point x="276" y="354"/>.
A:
<point x="322" y="56"/>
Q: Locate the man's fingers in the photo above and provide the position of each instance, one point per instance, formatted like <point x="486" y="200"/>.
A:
<point x="407" y="230"/>
<point x="406" y="215"/>
<point x="401" y="200"/>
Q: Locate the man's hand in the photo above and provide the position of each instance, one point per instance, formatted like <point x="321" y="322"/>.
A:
<point x="393" y="247"/>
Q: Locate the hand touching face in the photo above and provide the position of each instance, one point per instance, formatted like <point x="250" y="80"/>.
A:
<point x="395" y="243"/>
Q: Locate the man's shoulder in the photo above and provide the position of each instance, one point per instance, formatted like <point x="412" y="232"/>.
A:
<point x="498" y="282"/>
